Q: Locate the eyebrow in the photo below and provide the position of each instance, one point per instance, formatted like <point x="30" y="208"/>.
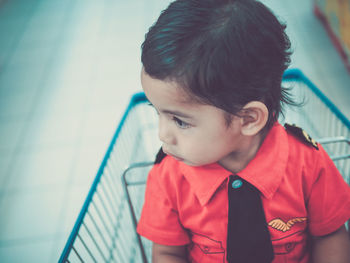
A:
<point x="177" y="113"/>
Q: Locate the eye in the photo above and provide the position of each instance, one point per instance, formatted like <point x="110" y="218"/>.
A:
<point x="181" y="124"/>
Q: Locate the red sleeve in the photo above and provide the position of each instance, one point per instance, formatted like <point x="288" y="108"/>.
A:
<point x="159" y="220"/>
<point x="329" y="201"/>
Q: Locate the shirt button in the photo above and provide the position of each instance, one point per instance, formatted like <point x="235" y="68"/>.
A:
<point x="237" y="184"/>
<point x="289" y="246"/>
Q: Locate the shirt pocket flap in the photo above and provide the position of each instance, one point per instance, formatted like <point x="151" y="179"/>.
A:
<point x="207" y="244"/>
<point x="288" y="243"/>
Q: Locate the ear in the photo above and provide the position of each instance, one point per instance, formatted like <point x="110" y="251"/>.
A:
<point x="254" y="117"/>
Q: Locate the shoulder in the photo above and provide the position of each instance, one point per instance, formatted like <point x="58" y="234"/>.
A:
<point x="302" y="147"/>
<point x="301" y="135"/>
<point x="307" y="154"/>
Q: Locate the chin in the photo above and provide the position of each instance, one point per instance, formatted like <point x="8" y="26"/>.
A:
<point x="191" y="164"/>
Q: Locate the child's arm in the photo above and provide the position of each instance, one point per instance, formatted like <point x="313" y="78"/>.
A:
<point x="169" y="254"/>
<point x="332" y="248"/>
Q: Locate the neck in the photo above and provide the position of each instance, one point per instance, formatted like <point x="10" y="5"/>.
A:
<point x="238" y="160"/>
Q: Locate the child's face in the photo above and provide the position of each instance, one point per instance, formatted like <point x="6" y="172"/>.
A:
<point x="193" y="133"/>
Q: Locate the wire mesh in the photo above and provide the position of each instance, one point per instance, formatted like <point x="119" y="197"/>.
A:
<point x="321" y="123"/>
<point x="107" y="232"/>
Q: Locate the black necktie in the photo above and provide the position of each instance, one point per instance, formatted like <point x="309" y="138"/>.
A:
<point x="248" y="239"/>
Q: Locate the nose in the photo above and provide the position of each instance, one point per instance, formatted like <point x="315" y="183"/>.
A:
<point x="164" y="132"/>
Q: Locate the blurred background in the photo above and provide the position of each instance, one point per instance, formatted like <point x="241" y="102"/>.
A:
<point x="67" y="71"/>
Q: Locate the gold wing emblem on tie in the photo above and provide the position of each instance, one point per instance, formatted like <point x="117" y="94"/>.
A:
<point x="280" y="225"/>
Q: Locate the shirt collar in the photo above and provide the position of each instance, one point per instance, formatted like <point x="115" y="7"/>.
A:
<point x="265" y="171"/>
<point x="205" y="180"/>
<point x="268" y="167"/>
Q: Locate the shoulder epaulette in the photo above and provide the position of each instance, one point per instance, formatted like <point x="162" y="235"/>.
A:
<point x="301" y="134"/>
<point x="160" y="156"/>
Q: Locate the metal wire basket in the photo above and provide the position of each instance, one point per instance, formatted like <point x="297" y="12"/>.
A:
<point x="105" y="230"/>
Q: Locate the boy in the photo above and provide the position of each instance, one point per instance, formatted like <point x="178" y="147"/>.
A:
<point x="230" y="183"/>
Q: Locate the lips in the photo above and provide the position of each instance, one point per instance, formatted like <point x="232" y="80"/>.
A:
<point x="172" y="155"/>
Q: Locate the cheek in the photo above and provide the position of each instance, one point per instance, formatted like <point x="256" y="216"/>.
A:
<point x="207" y="143"/>
<point x="200" y="140"/>
<point x="201" y="150"/>
<point x="192" y="145"/>
<point x="219" y="144"/>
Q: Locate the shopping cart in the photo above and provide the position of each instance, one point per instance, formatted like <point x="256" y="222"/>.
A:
<point x="105" y="230"/>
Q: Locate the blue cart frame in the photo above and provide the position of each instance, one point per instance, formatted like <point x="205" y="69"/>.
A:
<point x="105" y="228"/>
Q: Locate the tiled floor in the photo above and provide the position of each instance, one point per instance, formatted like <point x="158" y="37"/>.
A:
<point x="67" y="70"/>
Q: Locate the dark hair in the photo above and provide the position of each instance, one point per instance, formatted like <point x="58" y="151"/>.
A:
<point x="224" y="52"/>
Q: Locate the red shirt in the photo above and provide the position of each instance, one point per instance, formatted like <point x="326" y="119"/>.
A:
<point x="301" y="190"/>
